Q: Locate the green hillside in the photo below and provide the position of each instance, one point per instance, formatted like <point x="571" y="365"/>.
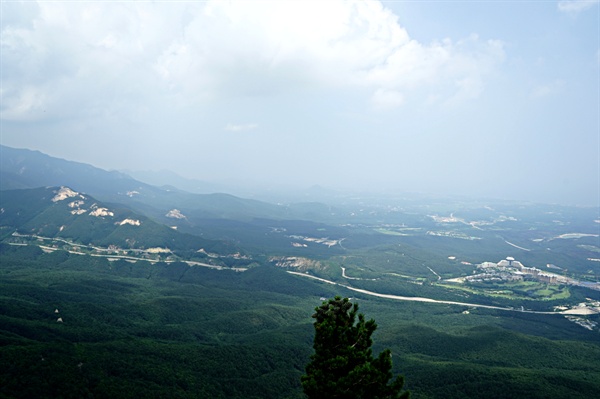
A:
<point x="62" y="213"/>
<point x="171" y="330"/>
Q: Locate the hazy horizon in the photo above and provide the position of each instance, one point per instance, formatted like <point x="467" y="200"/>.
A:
<point x="481" y="99"/>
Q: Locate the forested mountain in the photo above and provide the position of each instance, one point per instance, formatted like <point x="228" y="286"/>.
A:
<point x="77" y="326"/>
<point x="60" y="212"/>
<point x="114" y="288"/>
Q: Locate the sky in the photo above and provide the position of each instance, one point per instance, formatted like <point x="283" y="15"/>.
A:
<point x="495" y="99"/>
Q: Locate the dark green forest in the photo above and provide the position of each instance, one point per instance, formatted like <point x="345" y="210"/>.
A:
<point x="171" y="330"/>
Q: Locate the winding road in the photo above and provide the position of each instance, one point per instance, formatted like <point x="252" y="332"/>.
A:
<point x="429" y="300"/>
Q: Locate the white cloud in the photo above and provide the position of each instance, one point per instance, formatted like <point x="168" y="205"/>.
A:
<point x="387" y="99"/>
<point x="100" y="59"/>
<point x="240" y="127"/>
<point x="547" y="89"/>
<point x="468" y="88"/>
<point x="575" y="6"/>
<point x="26" y="103"/>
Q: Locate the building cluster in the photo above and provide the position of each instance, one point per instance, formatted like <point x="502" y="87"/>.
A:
<point x="510" y="269"/>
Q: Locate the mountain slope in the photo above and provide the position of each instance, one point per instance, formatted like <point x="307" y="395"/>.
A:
<point x="23" y="168"/>
<point x="66" y="214"/>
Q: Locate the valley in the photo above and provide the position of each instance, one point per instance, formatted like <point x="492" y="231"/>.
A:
<point x="171" y="294"/>
<point x="591" y="307"/>
<point x="501" y="274"/>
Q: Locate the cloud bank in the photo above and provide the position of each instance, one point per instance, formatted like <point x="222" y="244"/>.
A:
<point x="72" y="60"/>
<point x="576" y="6"/>
<point x="365" y="94"/>
<point x="232" y="127"/>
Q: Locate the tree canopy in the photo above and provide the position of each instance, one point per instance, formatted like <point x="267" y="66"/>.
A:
<point x="342" y="365"/>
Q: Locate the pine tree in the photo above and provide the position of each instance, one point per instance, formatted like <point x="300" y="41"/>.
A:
<point x="342" y="365"/>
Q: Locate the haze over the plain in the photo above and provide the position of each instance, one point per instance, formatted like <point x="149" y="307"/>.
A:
<point x="496" y="99"/>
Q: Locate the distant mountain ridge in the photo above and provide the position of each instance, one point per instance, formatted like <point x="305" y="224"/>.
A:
<point x="22" y="168"/>
<point x="170" y="180"/>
